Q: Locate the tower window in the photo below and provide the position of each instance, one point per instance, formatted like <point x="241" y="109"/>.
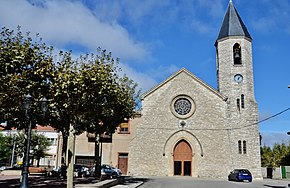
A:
<point x="240" y="146"/>
<point x="237" y="54"/>
<point x="238" y="104"/>
<point x="243" y="101"/>
<point x="244" y="147"/>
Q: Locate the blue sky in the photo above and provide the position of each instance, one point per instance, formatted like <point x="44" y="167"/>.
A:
<point x="156" y="38"/>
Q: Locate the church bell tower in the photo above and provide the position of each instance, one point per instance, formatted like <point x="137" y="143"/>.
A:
<point x="234" y="62"/>
<point x="235" y="81"/>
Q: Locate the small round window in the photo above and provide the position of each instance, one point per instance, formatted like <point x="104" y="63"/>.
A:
<point x="182" y="106"/>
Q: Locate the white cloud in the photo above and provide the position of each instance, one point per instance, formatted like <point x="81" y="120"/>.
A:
<point x="161" y="14"/>
<point x="147" y="80"/>
<point x="271" y="138"/>
<point x="112" y="25"/>
<point x="162" y="72"/>
<point x="274" y="16"/>
<point x="64" y="22"/>
<point x="215" y="8"/>
<point x="264" y="24"/>
<point x="144" y="81"/>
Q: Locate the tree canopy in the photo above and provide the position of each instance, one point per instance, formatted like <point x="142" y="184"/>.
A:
<point x="26" y="67"/>
<point x="277" y="156"/>
<point x="83" y="91"/>
<point x="39" y="146"/>
<point x="85" y="94"/>
<point x="5" y="149"/>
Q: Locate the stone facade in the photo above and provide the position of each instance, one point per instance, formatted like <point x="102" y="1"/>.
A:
<point x="219" y="126"/>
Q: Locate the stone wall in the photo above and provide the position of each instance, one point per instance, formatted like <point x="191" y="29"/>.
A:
<point x="158" y="132"/>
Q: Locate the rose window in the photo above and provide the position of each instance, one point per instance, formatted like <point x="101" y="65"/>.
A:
<point x="182" y="106"/>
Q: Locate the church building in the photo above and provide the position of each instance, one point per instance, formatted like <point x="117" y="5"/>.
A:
<point x="188" y="128"/>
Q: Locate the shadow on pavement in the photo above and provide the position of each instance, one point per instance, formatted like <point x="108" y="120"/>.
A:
<point x="43" y="181"/>
<point x="136" y="180"/>
<point x="274" y="186"/>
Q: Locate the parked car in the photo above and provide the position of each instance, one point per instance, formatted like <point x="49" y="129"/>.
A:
<point x="59" y="172"/>
<point x="119" y="172"/>
<point x="240" y="175"/>
<point x="110" y="171"/>
<point x="3" y="168"/>
<point x="80" y="171"/>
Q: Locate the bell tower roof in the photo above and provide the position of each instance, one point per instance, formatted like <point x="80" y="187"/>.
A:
<point x="233" y="24"/>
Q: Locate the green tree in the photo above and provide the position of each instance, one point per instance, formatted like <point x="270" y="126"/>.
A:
<point x="26" y="67"/>
<point x="109" y="98"/>
<point x="6" y="145"/>
<point x="266" y="156"/>
<point x="276" y="156"/>
<point x="87" y="94"/>
<point x="90" y="96"/>
<point x="39" y="145"/>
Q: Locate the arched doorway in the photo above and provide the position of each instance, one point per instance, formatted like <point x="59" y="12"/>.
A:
<point x="182" y="157"/>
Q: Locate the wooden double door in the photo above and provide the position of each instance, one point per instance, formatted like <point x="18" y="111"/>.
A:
<point x="182" y="157"/>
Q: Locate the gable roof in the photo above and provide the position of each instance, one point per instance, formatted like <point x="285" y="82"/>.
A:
<point x="183" y="70"/>
<point x="233" y="24"/>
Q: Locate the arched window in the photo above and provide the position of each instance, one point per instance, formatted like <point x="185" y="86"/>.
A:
<point x="237" y="54"/>
<point x="240" y="146"/>
<point x="243" y="101"/>
<point x="244" y="147"/>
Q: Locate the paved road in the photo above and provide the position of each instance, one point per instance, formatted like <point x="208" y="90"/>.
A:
<point x="148" y="182"/>
<point x="189" y="182"/>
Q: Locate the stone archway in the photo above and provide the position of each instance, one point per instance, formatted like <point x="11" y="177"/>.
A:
<point x="182" y="157"/>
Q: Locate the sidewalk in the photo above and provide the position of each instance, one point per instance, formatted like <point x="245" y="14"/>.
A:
<point x="276" y="182"/>
<point x="129" y="185"/>
<point x="38" y="181"/>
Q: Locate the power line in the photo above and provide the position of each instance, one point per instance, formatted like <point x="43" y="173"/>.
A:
<point x="263" y="120"/>
<point x="274" y="115"/>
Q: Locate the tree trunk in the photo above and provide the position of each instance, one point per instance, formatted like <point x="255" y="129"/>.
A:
<point x="38" y="161"/>
<point x="64" y="148"/>
<point x="32" y="159"/>
<point x="97" y="156"/>
<point x="70" y="157"/>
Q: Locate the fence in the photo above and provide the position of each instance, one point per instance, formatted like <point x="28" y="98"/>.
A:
<point x="285" y="172"/>
<point x="282" y="172"/>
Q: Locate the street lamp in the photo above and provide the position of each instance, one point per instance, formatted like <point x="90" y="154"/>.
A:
<point x="26" y="105"/>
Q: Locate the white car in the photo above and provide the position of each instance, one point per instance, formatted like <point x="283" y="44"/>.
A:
<point x="3" y="168"/>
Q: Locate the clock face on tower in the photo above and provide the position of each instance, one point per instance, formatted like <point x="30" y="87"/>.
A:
<point x="238" y="78"/>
